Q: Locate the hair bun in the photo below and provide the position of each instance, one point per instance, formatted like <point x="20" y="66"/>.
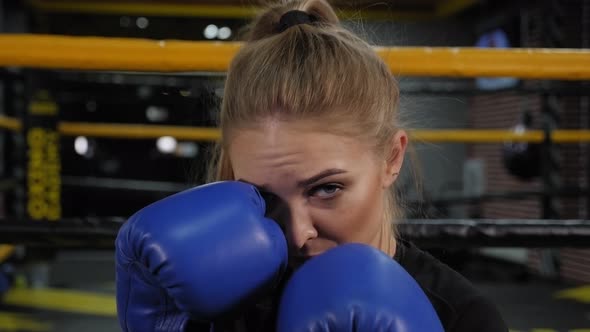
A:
<point x="288" y="13"/>
<point x="293" y="18"/>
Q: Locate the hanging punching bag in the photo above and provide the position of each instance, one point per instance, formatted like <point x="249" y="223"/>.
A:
<point x="523" y="159"/>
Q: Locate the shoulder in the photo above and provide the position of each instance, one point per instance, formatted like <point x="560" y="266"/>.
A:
<point x="457" y="302"/>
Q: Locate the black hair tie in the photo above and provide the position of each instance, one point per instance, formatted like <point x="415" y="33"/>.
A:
<point x="293" y="18"/>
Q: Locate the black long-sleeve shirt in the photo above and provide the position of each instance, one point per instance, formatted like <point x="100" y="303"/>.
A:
<point x="459" y="305"/>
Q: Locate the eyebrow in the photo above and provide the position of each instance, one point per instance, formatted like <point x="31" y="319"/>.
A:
<point x="318" y="177"/>
<point x="303" y="183"/>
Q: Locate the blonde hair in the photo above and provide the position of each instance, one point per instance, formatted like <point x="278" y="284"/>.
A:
<point x="309" y="71"/>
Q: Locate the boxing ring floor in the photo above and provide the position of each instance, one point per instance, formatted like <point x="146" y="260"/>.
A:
<point x="527" y="302"/>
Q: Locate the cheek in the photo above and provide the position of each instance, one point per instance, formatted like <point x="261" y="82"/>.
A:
<point x="357" y="216"/>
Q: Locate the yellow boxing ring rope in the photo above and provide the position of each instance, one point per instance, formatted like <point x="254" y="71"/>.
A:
<point x="126" y="54"/>
<point x="139" y="131"/>
<point x="98" y="53"/>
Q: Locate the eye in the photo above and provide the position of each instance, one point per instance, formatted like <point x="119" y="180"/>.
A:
<point x="273" y="202"/>
<point x="325" y="191"/>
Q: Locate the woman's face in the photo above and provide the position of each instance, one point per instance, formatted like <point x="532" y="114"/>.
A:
<point x="324" y="189"/>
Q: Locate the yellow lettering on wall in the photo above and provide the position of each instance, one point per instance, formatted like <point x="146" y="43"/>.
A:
<point x="44" y="173"/>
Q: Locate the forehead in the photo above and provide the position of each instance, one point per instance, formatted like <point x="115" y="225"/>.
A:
<point x="292" y="149"/>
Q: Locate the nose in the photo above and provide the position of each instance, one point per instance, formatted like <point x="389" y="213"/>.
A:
<point x="299" y="229"/>
<point x="294" y="219"/>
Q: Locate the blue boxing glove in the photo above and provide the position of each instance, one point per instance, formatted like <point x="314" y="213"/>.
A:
<point x="354" y="287"/>
<point x="196" y="255"/>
